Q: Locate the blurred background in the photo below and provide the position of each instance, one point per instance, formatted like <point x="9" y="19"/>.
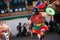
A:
<point x="15" y="11"/>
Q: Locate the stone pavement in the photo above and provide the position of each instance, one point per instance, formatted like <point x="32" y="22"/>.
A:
<point x="48" y="36"/>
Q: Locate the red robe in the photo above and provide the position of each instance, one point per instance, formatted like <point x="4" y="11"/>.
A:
<point x="39" y="30"/>
<point x="36" y="19"/>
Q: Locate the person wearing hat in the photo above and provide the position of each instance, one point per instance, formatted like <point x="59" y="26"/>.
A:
<point x="39" y="26"/>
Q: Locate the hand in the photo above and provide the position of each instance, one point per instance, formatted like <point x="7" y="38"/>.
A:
<point x="42" y="33"/>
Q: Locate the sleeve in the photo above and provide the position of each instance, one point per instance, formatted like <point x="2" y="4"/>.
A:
<point x="7" y="27"/>
<point x="42" y="30"/>
<point x="45" y="28"/>
<point x="29" y="21"/>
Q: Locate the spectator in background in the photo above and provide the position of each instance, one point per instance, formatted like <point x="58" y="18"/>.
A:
<point x="53" y="24"/>
<point x="45" y="21"/>
<point x="19" y="29"/>
<point x="58" y="28"/>
<point x="23" y="29"/>
<point x="27" y="28"/>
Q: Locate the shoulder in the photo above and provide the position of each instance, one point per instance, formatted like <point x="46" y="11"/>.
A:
<point x="40" y="14"/>
<point x="5" y="25"/>
<point x="32" y="16"/>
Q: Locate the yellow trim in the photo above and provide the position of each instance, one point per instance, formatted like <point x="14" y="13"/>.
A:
<point x="38" y="24"/>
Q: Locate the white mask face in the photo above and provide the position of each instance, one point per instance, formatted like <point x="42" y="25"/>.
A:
<point x="33" y="12"/>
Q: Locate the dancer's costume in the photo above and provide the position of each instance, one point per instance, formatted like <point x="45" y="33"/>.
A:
<point x="38" y="24"/>
<point x="37" y="20"/>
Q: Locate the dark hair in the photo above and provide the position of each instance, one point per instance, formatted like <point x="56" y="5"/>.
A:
<point x="35" y="10"/>
<point x="20" y="23"/>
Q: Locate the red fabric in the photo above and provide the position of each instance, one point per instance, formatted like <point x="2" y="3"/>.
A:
<point x="41" y="5"/>
<point x="35" y="31"/>
<point x="45" y="28"/>
<point x="1" y="31"/>
<point x="36" y="18"/>
<point x="39" y="30"/>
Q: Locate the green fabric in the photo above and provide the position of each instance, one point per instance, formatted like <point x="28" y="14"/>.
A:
<point x="36" y="27"/>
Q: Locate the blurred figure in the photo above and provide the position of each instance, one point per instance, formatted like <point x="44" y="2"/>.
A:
<point x="38" y="25"/>
<point x="19" y="29"/>
<point x="27" y="28"/>
<point x="4" y="31"/>
<point x="45" y="21"/>
<point x="53" y="24"/>
<point x="58" y="28"/>
<point x="23" y="30"/>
